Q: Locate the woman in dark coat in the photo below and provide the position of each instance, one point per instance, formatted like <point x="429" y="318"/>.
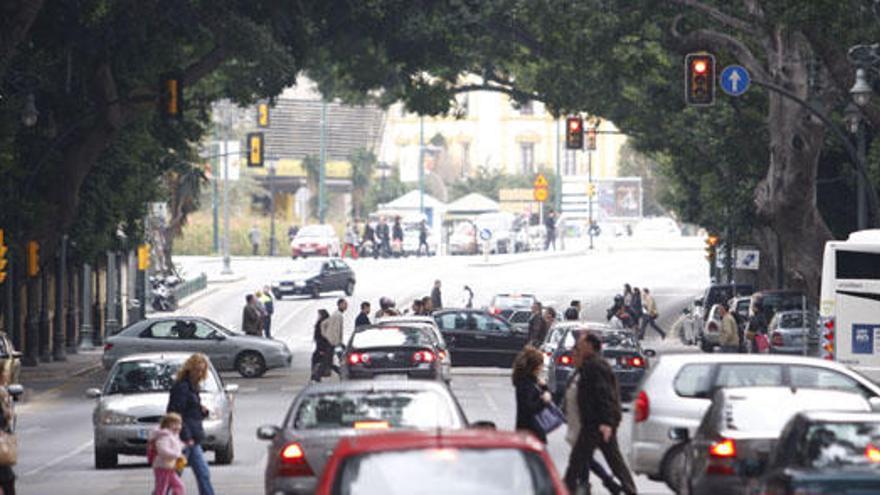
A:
<point x="532" y="394"/>
<point x="323" y="349"/>
<point x="184" y="400"/>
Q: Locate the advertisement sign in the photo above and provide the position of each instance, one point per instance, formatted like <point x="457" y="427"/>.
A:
<point x="620" y="198"/>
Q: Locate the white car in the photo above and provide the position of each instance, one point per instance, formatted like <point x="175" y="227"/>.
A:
<point x="428" y="323"/>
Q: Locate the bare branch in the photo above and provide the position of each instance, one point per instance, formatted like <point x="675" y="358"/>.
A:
<point x="719" y="16"/>
<point x="518" y="94"/>
<point x="705" y="38"/>
<point x="207" y="64"/>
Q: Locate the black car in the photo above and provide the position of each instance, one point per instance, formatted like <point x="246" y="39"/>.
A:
<point x="477" y="338"/>
<point x="627" y="359"/>
<point x="412" y="352"/>
<point x="314" y="276"/>
<point x="825" y="452"/>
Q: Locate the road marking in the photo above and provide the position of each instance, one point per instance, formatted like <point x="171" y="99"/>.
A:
<point x="58" y="460"/>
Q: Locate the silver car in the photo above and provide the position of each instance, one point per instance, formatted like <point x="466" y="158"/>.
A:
<point x="428" y="323"/>
<point x="250" y="355"/>
<point x="134" y="398"/>
<point x="678" y="389"/>
<point x="323" y="413"/>
<point x="789" y="335"/>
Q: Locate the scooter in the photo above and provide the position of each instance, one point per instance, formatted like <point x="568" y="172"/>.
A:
<point x="163" y="298"/>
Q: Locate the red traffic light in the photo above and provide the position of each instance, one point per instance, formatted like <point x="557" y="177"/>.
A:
<point x="574" y="135"/>
<point x="700" y="79"/>
<point x="574" y="124"/>
<point x="700" y="66"/>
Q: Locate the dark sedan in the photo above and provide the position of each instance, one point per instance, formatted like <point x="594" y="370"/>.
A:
<point x="628" y="361"/>
<point x="826" y="452"/>
<point x="411" y="352"/>
<point x="477" y="338"/>
<point x="314" y="276"/>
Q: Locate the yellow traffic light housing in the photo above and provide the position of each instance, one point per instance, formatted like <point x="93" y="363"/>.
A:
<point x="3" y="261"/>
<point x="171" y="96"/>
<point x="574" y="133"/>
<point x="143" y="255"/>
<point x="711" y="243"/>
<point x="255" y="149"/>
<point x="591" y="138"/>
<point x="33" y="258"/>
<point x="263" y="115"/>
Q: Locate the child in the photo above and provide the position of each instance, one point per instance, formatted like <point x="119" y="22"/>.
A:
<point x="167" y="449"/>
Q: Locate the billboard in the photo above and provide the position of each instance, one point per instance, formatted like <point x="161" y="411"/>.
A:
<point x="615" y="199"/>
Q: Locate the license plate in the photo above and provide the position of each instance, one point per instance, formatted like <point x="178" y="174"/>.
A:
<point x="143" y="434"/>
<point x="396" y="376"/>
<point x="612" y="361"/>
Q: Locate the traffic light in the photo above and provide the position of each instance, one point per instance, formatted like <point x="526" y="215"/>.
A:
<point x="255" y="149"/>
<point x="171" y="96"/>
<point x="3" y="261"/>
<point x="591" y="138"/>
<point x="699" y="79"/>
<point x="263" y="115"/>
<point x="33" y="258"/>
<point x="591" y="189"/>
<point x="711" y="243"/>
<point x="143" y="255"/>
<point x="574" y="133"/>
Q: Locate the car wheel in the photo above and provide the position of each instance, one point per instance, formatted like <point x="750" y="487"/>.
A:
<point x="349" y="288"/>
<point x="224" y="455"/>
<point x="315" y="292"/>
<point x="105" y="459"/>
<point x="250" y="364"/>
<point x="278" y="295"/>
<point x="673" y="469"/>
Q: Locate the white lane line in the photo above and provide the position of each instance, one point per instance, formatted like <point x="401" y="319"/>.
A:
<point x="489" y="400"/>
<point x="58" y="460"/>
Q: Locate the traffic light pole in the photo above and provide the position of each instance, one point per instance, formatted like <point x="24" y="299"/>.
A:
<point x="421" y="164"/>
<point x="272" y="240"/>
<point x="590" y="198"/>
<point x="558" y="202"/>
<point x="227" y="261"/>
<point x="322" y="172"/>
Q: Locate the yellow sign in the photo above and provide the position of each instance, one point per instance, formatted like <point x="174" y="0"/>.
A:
<point x="591" y="189"/>
<point x="143" y="252"/>
<point x="255" y="149"/>
<point x="541" y="194"/>
<point x="263" y="115"/>
<point x="33" y="258"/>
<point x="540" y="181"/>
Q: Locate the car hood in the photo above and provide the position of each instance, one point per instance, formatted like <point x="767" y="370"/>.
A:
<point x="150" y="404"/>
<point x="257" y="340"/>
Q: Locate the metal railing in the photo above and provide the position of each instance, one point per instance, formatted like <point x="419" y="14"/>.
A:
<point x="191" y="286"/>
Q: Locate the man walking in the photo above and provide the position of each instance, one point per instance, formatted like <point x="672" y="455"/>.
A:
<point x="649" y="316"/>
<point x="397" y="236"/>
<point x="251" y="318"/>
<point x="728" y="338"/>
<point x="550" y="226"/>
<point x="269" y="307"/>
<point x="363" y="318"/>
<point x="350" y="242"/>
<point x="537" y="325"/>
<point x="383" y="236"/>
<point x="369" y="240"/>
<point x="331" y="330"/>
<point x="423" y="239"/>
<point x="436" y="299"/>
<point x="600" y="415"/>
<point x="254" y="236"/>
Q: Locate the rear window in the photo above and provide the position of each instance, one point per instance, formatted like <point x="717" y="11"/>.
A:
<point x="837" y="445"/>
<point x="444" y="471"/>
<point x="749" y="375"/>
<point x="391" y="337"/>
<point x="750" y="415"/>
<point x="791" y="320"/>
<point x="396" y="408"/>
<point x="856" y="265"/>
<point x="694" y="380"/>
<point x="609" y="338"/>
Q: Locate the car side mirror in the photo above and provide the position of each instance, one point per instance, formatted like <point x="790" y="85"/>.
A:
<point x="218" y="336"/>
<point x="231" y="388"/>
<point x="679" y="434"/>
<point x="483" y="425"/>
<point x="93" y="393"/>
<point x="15" y="390"/>
<point x="268" y="432"/>
<point x="650" y="353"/>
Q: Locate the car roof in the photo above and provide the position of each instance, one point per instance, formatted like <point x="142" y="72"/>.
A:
<point x="584" y="325"/>
<point x="372" y="385"/>
<point x="407" y="319"/>
<point x="407" y="440"/>
<point x="689" y="358"/>
<point x="514" y="294"/>
<point x="156" y="356"/>
<point x="840" y="417"/>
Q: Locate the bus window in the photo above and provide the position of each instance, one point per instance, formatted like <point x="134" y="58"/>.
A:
<point x="857" y="265"/>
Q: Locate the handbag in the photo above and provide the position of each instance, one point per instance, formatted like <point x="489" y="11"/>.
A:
<point x="549" y="418"/>
<point x="180" y="464"/>
<point x="761" y="343"/>
<point x="8" y="449"/>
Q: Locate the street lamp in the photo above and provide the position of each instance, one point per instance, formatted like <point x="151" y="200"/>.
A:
<point x="854" y="123"/>
<point x="861" y="90"/>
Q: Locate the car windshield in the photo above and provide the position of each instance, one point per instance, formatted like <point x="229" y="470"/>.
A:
<point x="395" y="408"/>
<point x="835" y="445"/>
<point x="391" y="337"/>
<point x="608" y="337"/>
<point x="443" y="471"/>
<point x="512" y="301"/>
<point x="142" y="377"/>
<point x="312" y="231"/>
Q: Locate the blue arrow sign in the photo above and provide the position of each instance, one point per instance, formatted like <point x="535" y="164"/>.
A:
<point x="735" y="80"/>
<point x="485" y="234"/>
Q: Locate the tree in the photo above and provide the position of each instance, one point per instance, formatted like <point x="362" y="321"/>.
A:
<point x="363" y="163"/>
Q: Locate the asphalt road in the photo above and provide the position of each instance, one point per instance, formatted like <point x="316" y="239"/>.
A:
<point x="55" y="431"/>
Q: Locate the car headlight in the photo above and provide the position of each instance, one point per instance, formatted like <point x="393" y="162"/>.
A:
<point x="116" y="418"/>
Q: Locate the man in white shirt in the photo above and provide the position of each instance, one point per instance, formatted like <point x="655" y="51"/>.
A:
<point x="332" y="328"/>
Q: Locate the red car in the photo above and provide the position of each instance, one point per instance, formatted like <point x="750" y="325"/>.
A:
<point x="315" y="240"/>
<point x="440" y="462"/>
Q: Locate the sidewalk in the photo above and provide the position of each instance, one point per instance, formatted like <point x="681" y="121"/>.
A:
<point x="46" y="375"/>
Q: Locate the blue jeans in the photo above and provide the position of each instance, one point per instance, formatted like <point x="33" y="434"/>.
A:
<point x="196" y="459"/>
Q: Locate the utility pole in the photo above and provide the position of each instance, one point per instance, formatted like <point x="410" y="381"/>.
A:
<point x="590" y="196"/>
<point x="272" y="240"/>
<point x="861" y="207"/>
<point x="558" y="202"/>
<point x="322" y="178"/>
<point x="421" y="164"/>
<point x="225" y="122"/>
<point x="58" y="334"/>
<point x="87" y="330"/>
<point x="215" y="211"/>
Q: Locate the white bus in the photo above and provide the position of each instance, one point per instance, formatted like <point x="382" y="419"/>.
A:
<point x="850" y="302"/>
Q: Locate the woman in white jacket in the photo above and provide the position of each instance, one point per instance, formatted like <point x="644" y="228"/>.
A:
<point x="167" y="449"/>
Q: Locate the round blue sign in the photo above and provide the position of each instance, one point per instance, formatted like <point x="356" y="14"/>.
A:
<point x="735" y="80"/>
<point x="485" y="234"/>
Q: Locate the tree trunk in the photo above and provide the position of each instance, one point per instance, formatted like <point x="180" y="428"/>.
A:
<point x="786" y="197"/>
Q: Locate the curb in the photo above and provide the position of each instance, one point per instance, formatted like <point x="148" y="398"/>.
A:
<point x="557" y="254"/>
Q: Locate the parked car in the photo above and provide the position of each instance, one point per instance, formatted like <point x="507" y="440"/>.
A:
<point x="441" y="462"/>
<point x="824" y="452"/>
<point x="741" y="427"/>
<point x="323" y="413"/>
<point x="250" y="355"/>
<point x="315" y="276"/>
<point x="463" y="239"/>
<point x="678" y="388"/>
<point x="407" y="351"/>
<point x="477" y="338"/>
<point x="626" y="357"/>
<point x="716" y="294"/>
<point x="789" y="335"/>
<point x="710" y="334"/>
<point x="519" y="319"/>
<point x="504" y="305"/>
<point x="134" y="398"/>
<point x="315" y="240"/>
<point x="429" y="324"/>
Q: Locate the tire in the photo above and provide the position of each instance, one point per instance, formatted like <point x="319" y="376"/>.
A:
<point x="105" y="459"/>
<point x="315" y="292"/>
<point x="349" y="288"/>
<point x="278" y="295"/>
<point x="250" y="364"/>
<point x="225" y="455"/>
<point x="673" y="468"/>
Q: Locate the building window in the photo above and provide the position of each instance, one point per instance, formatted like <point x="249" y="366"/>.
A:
<point x="465" y="159"/>
<point x="527" y="157"/>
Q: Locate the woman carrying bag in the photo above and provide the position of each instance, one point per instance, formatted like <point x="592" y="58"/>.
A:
<point x="535" y="411"/>
<point x="184" y="400"/>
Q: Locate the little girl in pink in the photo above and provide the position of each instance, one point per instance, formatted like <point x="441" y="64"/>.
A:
<point x="167" y="448"/>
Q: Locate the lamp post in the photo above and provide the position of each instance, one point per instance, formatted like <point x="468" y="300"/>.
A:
<point x="855" y="125"/>
<point x="421" y="164"/>
<point x="272" y="240"/>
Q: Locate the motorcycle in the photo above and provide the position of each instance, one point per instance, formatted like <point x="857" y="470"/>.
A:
<point x="163" y="298"/>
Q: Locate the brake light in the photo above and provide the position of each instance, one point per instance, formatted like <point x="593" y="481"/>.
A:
<point x="828" y="336"/>
<point x="293" y="461"/>
<point x="642" y="407"/>
<point x="108" y="346"/>
<point x="358" y="358"/>
<point x="494" y="311"/>
<point x="712" y="327"/>
<point x="564" y="360"/>
<point x="423" y="357"/>
<point x="725" y="448"/>
<point x="635" y="362"/>
<point x="777" y="339"/>
<point x="872" y="453"/>
<point x="442" y="355"/>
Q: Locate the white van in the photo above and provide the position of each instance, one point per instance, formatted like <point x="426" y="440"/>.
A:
<point x="850" y="302"/>
<point x="501" y="225"/>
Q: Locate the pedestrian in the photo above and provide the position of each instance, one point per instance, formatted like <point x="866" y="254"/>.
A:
<point x="436" y="298"/>
<point x="612" y="311"/>
<point x="184" y="400"/>
<point x="254" y="236"/>
<point x="728" y="338"/>
<point x="537" y="325"/>
<point x="650" y="314"/>
<point x="291" y="232"/>
<point x="427" y="306"/>
<point x="383" y="237"/>
<point x="167" y="453"/>
<point x="350" y="240"/>
<point x="550" y="226"/>
<point x="573" y="312"/>
<point x="322" y="348"/>
<point x="600" y="415"/>
<point x="251" y="317"/>
<point x="269" y="307"/>
<point x="7" y="423"/>
<point x="369" y="240"/>
<point x="417" y="308"/>
<point x="423" y="239"/>
<point x="332" y="331"/>
<point x="757" y="326"/>
<point x="627" y="294"/>
<point x="363" y="318"/>
<point x="397" y="236"/>
<point x="467" y="297"/>
<point x="549" y="317"/>
<point x="623" y="319"/>
<point x="532" y="394"/>
<point x="635" y="304"/>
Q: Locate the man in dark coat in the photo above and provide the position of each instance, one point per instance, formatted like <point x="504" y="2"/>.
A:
<point x="383" y="237"/>
<point x="600" y="415"/>
<point x="436" y="299"/>
<point x="252" y="318"/>
<point x="363" y="318"/>
<point x="537" y="325"/>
